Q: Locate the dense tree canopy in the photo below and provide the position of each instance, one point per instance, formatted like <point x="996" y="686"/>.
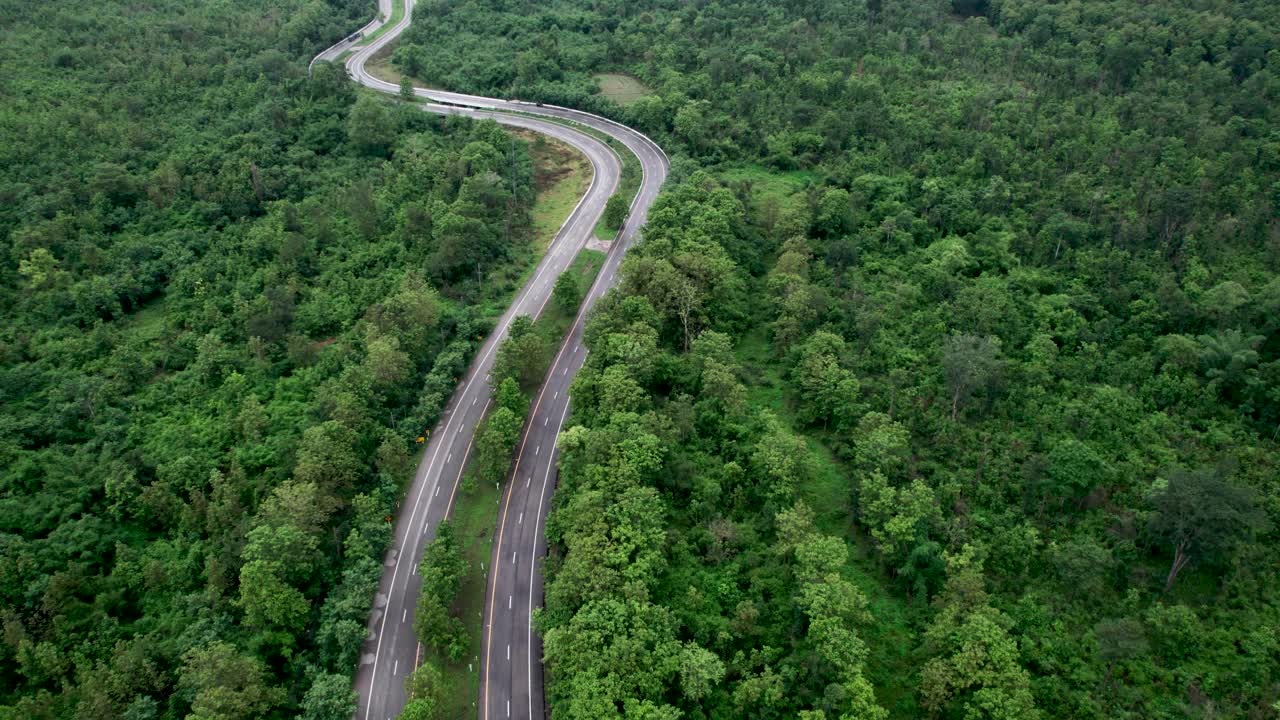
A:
<point x="232" y="295"/>
<point x="945" y="381"/>
<point x="991" y="286"/>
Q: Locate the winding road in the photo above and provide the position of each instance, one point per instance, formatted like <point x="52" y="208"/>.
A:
<point x="510" y="664"/>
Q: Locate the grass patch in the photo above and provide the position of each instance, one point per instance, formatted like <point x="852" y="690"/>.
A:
<point x="829" y="491"/>
<point x="554" y="322"/>
<point x="622" y="89"/>
<point x="561" y="175"/>
<point x="146" y="324"/>
<point x="629" y="182"/>
<point x="380" y="67"/>
<point x="587" y="264"/>
<point x="893" y="660"/>
<point x="764" y="378"/>
<point x="770" y="186"/>
<point x="602" y="231"/>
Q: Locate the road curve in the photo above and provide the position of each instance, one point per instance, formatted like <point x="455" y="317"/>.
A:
<point x="511" y="669"/>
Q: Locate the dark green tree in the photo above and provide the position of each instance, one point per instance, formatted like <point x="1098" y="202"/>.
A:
<point x="1201" y="517"/>
<point x="616" y="210"/>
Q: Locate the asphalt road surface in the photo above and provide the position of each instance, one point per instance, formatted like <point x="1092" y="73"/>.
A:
<point x="511" y="670"/>
<point x="511" y="657"/>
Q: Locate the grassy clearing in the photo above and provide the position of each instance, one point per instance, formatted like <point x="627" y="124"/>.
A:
<point x="892" y="661"/>
<point x="380" y="67"/>
<point x="561" y="175"/>
<point x="145" y="324"/>
<point x="622" y="89"/>
<point x="769" y="186"/>
<point x="586" y="265"/>
<point x="629" y="182"/>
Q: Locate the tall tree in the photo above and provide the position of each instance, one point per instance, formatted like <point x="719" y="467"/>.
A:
<point x="971" y="363"/>
<point x="1201" y="517"/>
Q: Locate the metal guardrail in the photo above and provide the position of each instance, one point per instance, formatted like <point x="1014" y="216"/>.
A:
<point x="361" y="33"/>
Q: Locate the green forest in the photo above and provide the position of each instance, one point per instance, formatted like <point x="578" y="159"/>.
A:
<point x="946" y="380"/>
<point x="232" y="297"/>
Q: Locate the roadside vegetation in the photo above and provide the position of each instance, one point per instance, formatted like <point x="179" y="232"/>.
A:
<point x="968" y="308"/>
<point x="945" y="382"/>
<point x="450" y="608"/>
<point x="233" y="298"/>
<point x="562" y="175"/>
